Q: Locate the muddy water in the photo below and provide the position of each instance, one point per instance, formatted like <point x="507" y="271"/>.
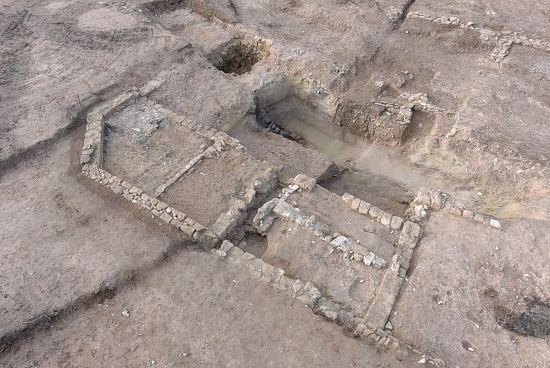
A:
<point x="344" y="148"/>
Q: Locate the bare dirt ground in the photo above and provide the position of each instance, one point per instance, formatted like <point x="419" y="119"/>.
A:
<point x="423" y="123"/>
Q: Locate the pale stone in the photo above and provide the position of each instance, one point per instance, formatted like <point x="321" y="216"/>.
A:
<point x="305" y="182"/>
<point x="347" y="198"/>
<point x="386" y="219"/>
<point x="296" y="288"/>
<point x="369" y="258"/>
<point x="226" y="246"/>
<point x="364" y="207"/>
<point x="420" y="211"/>
<point x="161" y="206"/>
<point x="339" y="241"/>
<point x="396" y="222"/>
<point x="495" y="223"/>
<point x="355" y="204"/>
<point x="479" y="218"/>
<point x="187" y="229"/>
<point x="457" y="211"/>
<point x="166" y="218"/>
<point x="376" y="212"/>
<point x="378" y="262"/>
<point x="249" y="196"/>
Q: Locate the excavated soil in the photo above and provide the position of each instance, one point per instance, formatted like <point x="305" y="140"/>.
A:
<point x="238" y="183"/>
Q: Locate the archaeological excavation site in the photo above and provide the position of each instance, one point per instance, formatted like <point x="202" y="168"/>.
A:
<point x="275" y="183"/>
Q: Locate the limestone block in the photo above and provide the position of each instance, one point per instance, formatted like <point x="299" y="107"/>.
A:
<point x="364" y="208"/>
<point x="495" y="223"/>
<point x="396" y="222"/>
<point x="187" y="229"/>
<point x="310" y="295"/>
<point x="369" y="258"/>
<point x="454" y="210"/>
<point x="479" y="218"/>
<point x="166" y="218"/>
<point x="376" y="212"/>
<point x="277" y="274"/>
<point x="327" y="309"/>
<point x="410" y="235"/>
<point x="355" y="204"/>
<point x="296" y="289"/>
<point x="249" y="196"/>
<point x="347" y="198"/>
<point x="305" y="182"/>
<point x="386" y="219"/>
<point x="264" y="217"/>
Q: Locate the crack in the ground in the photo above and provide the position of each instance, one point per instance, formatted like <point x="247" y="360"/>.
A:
<point x="107" y="290"/>
<point x="234" y="8"/>
<point x="404" y="13"/>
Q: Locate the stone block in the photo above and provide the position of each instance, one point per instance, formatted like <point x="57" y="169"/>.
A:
<point x="386" y="219"/>
<point x="358" y="248"/>
<point x="378" y="263"/>
<point x="187" y="229"/>
<point x="178" y="215"/>
<point x="327" y="309"/>
<point x="267" y="270"/>
<point x="396" y="222"/>
<point x="495" y="223"/>
<point x="284" y="283"/>
<point x="341" y="241"/>
<point x="264" y="218"/>
<point x="249" y="196"/>
<point x="206" y="238"/>
<point x="277" y="274"/>
<point x="479" y="218"/>
<point x="364" y="208"/>
<point x="234" y="253"/>
<point x="161" y="206"/>
<point x="305" y="182"/>
<point x="376" y="212"/>
<point x="166" y="217"/>
<point x="369" y="258"/>
<point x="309" y="295"/>
<point x="410" y="234"/>
<point x="347" y="198"/>
<point x="296" y="289"/>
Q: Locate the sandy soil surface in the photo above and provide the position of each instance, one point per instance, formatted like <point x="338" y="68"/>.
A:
<point x="375" y="98"/>
<point x="68" y="248"/>
<point x="214" y="316"/>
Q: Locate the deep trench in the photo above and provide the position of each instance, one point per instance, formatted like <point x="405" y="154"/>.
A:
<point x="296" y="120"/>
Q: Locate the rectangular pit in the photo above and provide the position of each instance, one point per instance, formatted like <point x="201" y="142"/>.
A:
<point x="145" y="148"/>
<point x="210" y="188"/>
<point x="310" y="140"/>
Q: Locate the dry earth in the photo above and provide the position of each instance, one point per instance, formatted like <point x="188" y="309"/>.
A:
<point x="238" y="183"/>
